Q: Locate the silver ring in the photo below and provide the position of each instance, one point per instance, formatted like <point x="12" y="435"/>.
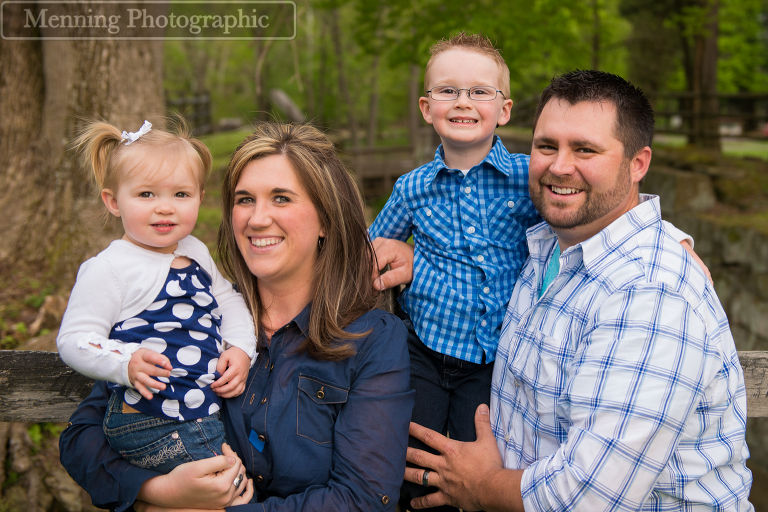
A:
<point x="425" y="478"/>
<point x="238" y="480"/>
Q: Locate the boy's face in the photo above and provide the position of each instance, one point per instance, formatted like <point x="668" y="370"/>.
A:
<point x="464" y="124"/>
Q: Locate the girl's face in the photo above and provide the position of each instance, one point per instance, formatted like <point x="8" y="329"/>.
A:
<point x="157" y="208"/>
<point x="275" y="223"/>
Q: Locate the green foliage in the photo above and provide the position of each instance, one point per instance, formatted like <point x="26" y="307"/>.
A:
<point x="382" y="39"/>
<point x="36" y="300"/>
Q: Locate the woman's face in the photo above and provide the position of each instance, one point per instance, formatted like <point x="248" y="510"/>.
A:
<point x="276" y="225"/>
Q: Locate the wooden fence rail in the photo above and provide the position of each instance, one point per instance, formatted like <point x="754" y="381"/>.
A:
<point x="38" y="386"/>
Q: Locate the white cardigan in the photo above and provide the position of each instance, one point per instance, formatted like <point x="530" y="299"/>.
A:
<point x="121" y="282"/>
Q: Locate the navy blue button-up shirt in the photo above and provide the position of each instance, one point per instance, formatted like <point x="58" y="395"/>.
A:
<point x="313" y="435"/>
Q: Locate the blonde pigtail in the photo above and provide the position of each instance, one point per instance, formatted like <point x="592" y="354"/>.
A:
<point x="96" y="142"/>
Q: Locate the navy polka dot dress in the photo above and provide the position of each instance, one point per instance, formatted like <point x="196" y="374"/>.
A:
<point x="182" y="324"/>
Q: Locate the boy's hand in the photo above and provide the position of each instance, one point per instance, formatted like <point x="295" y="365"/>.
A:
<point x="144" y="365"/>
<point x="232" y="381"/>
<point x="687" y="247"/>
<point x="399" y="256"/>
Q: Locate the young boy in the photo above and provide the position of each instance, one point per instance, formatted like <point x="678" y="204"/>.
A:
<point x="467" y="210"/>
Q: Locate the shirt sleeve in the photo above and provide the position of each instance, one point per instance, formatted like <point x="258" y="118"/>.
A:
<point x="237" y="327"/>
<point x="676" y="233"/>
<point x="370" y="434"/>
<point x="394" y="220"/>
<point x="634" y="380"/>
<point x="105" y="475"/>
<point x="93" y="309"/>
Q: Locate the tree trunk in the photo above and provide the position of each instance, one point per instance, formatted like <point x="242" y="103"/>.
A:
<point x="414" y="114"/>
<point x="705" y="105"/>
<point x="343" y="89"/>
<point x="596" y="31"/>
<point x="700" y="62"/>
<point x="373" y="104"/>
<point x="47" y="202"/>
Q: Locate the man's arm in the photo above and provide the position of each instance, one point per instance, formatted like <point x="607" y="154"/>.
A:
<point x="470" y="476"/>
<point x="399" y="256"/>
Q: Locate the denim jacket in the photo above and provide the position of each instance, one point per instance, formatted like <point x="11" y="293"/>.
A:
<point x="313" y="435"/>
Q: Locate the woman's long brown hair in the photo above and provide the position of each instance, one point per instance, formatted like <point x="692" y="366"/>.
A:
<point x="343" y="287"/>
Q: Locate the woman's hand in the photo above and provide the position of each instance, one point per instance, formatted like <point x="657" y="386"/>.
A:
<point x="142" y="506"/>
<point x="206" y="484"/>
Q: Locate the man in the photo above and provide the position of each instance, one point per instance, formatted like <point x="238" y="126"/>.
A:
<point x="617" y="383"/>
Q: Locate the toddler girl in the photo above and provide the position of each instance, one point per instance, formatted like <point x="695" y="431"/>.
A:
<point x="153" y="305"/>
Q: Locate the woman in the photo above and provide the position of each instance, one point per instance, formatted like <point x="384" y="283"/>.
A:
<point x="323" y="421"/>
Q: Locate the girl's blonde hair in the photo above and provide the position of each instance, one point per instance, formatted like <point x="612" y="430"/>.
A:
<point x="343" y="284"/>
<point x="110" y="160"/>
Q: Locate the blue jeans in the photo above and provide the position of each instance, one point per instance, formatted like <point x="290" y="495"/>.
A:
<point x="160" y="444"/>
<point x="448" y="391"/>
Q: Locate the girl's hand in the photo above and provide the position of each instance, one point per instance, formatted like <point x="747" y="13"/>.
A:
<point x="206" y="484"/>
<point x="144" y="365"/>
<point x="232" y="381"/>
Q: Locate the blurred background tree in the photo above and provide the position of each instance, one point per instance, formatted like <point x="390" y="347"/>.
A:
<point x="354" y="69"/>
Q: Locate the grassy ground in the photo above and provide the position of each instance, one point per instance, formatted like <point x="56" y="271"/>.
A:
<point x="731" y="146"/>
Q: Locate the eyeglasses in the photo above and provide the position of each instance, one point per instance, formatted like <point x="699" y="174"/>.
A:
<point x="477" y="93"/>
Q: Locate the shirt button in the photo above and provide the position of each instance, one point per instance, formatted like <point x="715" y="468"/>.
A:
<point x="264" y="400"/>
<point x="262" y="438"/>
<point x="486" y="290"/>
<point x="510" y="203"/>
<point x="483" y="323"/>
<point x="467" y="190"/>
<point x="385" y="499"/>
<point x="481" y="258"/>
<point x="470" y="229"/>
<point x="517" y="383"/>
<point x="259" y="478"/>
<point x="320" y="394"/>
<point x="429" y="212"/>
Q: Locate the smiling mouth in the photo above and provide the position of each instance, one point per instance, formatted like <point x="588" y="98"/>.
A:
<point x="563" y="191"/>
<point x="265" y="242"/>
<point x="164" y="225"/>
<point x="464" y="121"/>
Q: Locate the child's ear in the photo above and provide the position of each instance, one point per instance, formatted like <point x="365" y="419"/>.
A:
<point x="108" y="197"/>
<point x="424" y="107"/>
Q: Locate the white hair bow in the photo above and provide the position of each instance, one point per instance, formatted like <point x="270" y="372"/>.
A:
<point x="134" y="136"/>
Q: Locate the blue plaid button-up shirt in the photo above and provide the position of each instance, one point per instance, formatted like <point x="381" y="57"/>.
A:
<point x="620" y="388"/>
<point x="469" y="235"/>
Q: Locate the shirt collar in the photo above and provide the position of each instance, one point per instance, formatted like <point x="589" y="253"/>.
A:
<point x="300" y="321"/>
<point x="498" y="158"/>
<point x="620" y="232"/>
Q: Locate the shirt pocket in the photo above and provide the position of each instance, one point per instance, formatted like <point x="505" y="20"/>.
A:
<point x="318" y="406"/>
<point x="437" y="223"/>
<point x="504" y="219"/>
<point x="539" y="368"/>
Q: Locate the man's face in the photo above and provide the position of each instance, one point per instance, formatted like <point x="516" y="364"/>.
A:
<point x="579" y="179"/>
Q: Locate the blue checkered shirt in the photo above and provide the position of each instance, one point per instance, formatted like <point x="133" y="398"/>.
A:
<point x="621" y="388"/>
<point x="469" y="236"/>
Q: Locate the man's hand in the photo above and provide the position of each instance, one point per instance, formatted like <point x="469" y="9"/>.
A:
<point x="399" y="256"/>
<point x="206" y="484"/>
<point x="470" y="476"/>
<point x="232" y="381"/>
<point x="144" y="365"/>
<point x="687" y="247"/>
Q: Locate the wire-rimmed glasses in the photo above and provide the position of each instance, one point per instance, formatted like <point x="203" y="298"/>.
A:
<point x="477" y="93"/>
